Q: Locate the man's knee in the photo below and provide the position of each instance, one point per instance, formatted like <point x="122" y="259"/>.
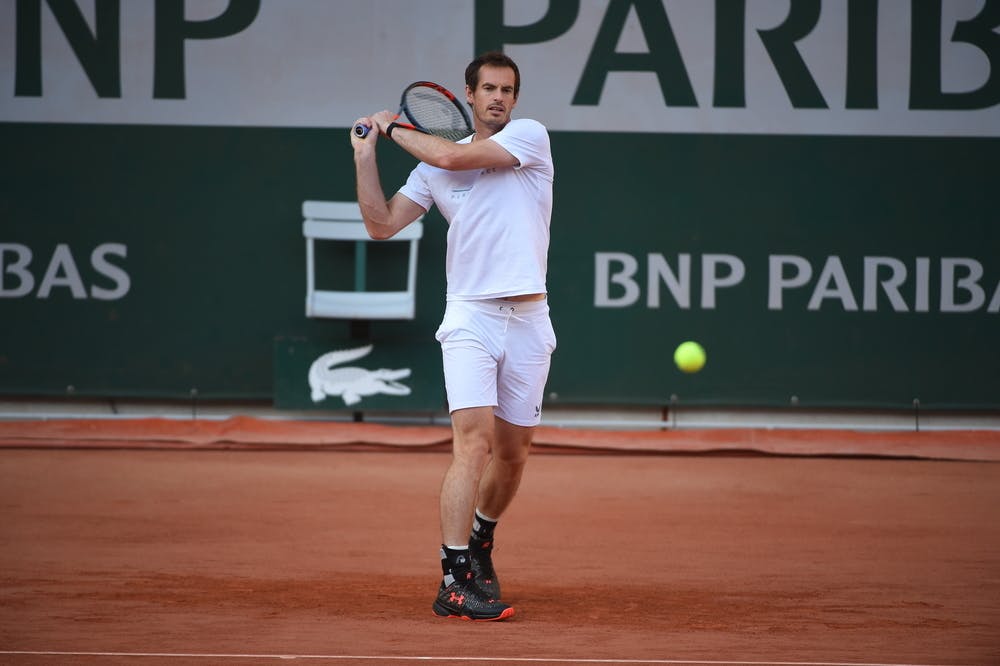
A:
<point x="473" y="432"/>
<point x="512" y="443"/>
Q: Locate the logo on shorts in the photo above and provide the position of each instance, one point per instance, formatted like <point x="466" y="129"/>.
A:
<point x="538" y="411"/>
<point x="352" y="383"/>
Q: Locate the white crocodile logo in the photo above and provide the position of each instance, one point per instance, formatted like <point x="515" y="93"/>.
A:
<point x="352" y="383"/>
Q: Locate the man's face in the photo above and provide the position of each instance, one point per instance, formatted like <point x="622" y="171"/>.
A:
<point x="493" y="99"/>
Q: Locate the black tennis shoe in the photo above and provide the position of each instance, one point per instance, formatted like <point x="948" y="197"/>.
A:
<point x="465" y="600"/>
<point x="481" y="554"/>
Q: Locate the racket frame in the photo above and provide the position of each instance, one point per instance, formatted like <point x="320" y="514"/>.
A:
<point x="361" y="131"/>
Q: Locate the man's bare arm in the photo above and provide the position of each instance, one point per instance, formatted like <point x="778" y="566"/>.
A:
<point x="444" y="154"/>
<point x="383" y="219"/>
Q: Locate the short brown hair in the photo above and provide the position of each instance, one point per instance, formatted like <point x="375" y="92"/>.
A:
<point x="495" y="59"/>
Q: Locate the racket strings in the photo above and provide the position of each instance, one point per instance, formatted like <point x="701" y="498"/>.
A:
<point x="436" y="113"/>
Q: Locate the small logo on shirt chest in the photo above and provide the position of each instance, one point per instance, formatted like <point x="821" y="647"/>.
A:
<point x="457" y="194"/>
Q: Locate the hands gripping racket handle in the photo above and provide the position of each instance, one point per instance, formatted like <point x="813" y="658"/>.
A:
<point x="361" y="131"/>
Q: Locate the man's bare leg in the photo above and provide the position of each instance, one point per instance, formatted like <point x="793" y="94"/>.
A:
<point x="473" y="433"/>
<point x="502" y="476"/>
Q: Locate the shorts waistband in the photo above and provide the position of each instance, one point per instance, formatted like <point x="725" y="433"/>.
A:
<point x="505" y="306"/>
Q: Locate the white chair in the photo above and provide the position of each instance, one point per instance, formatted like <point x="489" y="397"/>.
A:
<point x="341" y="221"/>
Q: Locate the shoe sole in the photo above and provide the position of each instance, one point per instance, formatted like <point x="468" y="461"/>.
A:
<point x="441" y="611"/>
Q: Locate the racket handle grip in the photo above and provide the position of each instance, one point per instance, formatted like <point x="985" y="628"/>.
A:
<point x="361" y="131"/>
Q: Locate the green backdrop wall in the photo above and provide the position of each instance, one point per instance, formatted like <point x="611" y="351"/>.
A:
<point x="211" y="219"/>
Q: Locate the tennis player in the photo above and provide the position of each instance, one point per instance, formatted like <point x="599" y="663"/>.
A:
<point x="494" y="188"/>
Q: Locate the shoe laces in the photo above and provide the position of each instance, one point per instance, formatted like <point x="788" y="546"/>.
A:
<point x="470" y="589"/>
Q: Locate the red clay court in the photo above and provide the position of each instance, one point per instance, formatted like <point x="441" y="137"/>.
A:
<point x="246" y="541"/>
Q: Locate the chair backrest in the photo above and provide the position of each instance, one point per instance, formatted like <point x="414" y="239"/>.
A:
<point x="341" y="221"/>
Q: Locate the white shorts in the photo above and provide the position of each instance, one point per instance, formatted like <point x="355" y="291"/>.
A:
<point x="497" y="354"/>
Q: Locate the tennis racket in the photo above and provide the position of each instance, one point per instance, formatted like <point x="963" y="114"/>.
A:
<point x="431" y="109"/>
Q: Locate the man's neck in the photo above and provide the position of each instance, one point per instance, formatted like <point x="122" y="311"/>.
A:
<point x="486" y="131"/>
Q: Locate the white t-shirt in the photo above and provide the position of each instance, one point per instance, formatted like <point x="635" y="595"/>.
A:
<point x="498" y="219"/>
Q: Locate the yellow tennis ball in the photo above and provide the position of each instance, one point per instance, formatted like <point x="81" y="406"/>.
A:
<point x="689" y="356"/>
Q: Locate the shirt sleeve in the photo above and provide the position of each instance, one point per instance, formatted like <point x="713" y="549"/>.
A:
<point x="416" y="189"/>
<point x="525" y="139"/>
